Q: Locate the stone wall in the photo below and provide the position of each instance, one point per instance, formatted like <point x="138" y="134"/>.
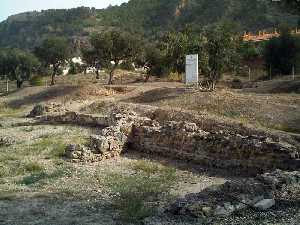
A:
<point x="218" y="149"/>
<point x="209" y="143"/>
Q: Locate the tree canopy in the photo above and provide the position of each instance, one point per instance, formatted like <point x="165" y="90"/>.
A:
<point x="17" y="65"/>
<point x="111" y="48"/>
<point x="53" y="52"/>
<point x="282" y="53"/>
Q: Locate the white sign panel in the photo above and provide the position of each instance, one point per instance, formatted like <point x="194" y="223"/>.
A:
<point x="191" y="69"/>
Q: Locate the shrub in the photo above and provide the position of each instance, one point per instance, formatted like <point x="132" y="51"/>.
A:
<point x="36" y="81"/>
<point x="127" y="66"/>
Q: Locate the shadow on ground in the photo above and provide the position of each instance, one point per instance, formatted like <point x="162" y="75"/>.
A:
<point x="157" y="95"/>
<point x="46" y="95"/>
<point x="49" y="209"/>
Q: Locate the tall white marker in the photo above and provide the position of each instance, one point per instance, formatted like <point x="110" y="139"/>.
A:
<point x="191" y="70"/>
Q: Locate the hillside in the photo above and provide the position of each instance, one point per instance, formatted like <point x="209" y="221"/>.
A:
<point x="149" y="17"/>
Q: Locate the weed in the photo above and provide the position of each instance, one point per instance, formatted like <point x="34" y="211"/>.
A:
<point x="44" y="176"/>
<point x="33" y="167"/>
<point x="7" y="111"/>
<point x="145" y="166"/>
<point x="27" y="129"/>
<point x="133" y="194"/>
<point x="232" y="114"/>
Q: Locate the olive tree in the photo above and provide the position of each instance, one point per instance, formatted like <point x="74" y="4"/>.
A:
<point x="53" y="52"/>
<point x="17" y="65"/>
<point x="91" y="59"/>
<point x="113" y="47"/>
<point x="219" y="52"/>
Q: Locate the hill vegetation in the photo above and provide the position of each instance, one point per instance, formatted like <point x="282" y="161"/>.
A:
<point x="148" y="17"/>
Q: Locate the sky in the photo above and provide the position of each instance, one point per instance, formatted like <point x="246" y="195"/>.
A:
<point x="11" y="7"/>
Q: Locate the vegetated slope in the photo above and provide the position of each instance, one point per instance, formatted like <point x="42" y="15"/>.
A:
<point x="27" y="30"/>
<point x="149" y="17"/>
<point x="153" y="16"/>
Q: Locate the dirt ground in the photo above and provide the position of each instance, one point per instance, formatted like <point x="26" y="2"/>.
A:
<point x="38" y="186"/>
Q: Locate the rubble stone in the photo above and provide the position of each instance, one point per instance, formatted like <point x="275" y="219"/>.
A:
<point x="6" y="141"/>
<point x="223" y="200"/>
<point x="265" y="204"/>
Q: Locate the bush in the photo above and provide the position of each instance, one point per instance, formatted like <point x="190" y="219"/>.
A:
<point x="36" y="81"/>
<point x="175" y="77"/>
<point x="237" y="84"/>
<point x="75" y="68"/>
<point x="127" y="66"/>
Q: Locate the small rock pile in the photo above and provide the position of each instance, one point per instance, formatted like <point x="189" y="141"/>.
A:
<point x="6" y="141"/>
<point x="223" y="200"/>
<point x="42" y="109"/>
<point x="110" y="143"/>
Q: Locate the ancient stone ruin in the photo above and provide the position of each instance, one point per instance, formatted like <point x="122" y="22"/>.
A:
<point x="203" y="141"/>
<point x="254" y="152"/>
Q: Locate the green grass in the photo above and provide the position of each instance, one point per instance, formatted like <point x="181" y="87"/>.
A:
<point x="7" y="111"/>
<point x="33" y="167"/>
<point x="42" y="177"/>
<point x="134" y="194"/>
<point x="17" y="167"/>
<point x="7" y="196"/>
<point x="145" y="166"/>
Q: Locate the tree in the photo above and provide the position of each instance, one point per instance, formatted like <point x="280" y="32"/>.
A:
<point x="154" y="62"/>
<point x="17" y="64"/>
<point x="53" y="52"/>
<point x="219" y="52"/>
<point x="91" y="59"/>
<point x="281" y="53"/>
<point x="177" y="46"/>
<point x="290" y="5"/>
<point x="113" y="47"/>
<point x="75" y="68"/>
<point x="153" y="59"/>
<point x="3" y="62"/>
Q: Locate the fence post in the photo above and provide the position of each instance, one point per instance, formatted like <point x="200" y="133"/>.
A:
<point x="7" y="84"/>
<point x="249" y="73"/>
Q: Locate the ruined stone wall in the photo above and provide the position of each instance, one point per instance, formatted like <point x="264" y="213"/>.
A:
<point x="218" y="149"/>
<point x="205" y="142"/>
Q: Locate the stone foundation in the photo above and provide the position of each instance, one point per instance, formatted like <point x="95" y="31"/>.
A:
<point x="220" y="145"/>
<point x="218" y="149"/>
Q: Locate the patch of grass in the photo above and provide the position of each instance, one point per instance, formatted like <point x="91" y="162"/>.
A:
<point x="43" y="176"/>
<point x="58" y="150"/>
<point x="145" y="166"/>
<point x="7" y="196"/>
<point x="133" y="195"/>
<point x="6" y="110"/>
<point x="4" y="170"/>
<point x="286" y="128"/>
<point x="28" y="129"/>
<point x="33" y="167"/>
<point x="53" y="147"/>
<point x="232" y="114"/>
<point x="12" y="168"/>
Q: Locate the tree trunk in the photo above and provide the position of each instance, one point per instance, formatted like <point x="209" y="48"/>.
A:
<point x="97" y="74"/>
<point x="7" y="84"/>
<point x="147" y="77"/>
<point x="53" y="76"/>
<point x="19" y="83"/>
<point x="111" y="74"/>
